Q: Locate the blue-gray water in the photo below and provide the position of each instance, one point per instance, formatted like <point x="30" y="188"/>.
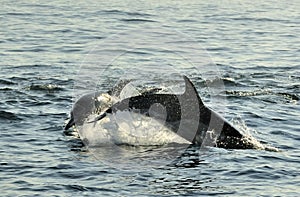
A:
<point x="255" y="46"/>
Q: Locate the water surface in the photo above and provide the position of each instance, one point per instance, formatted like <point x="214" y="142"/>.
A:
<point x="255" y="47"/>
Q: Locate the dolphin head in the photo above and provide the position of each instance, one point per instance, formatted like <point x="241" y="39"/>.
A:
<point x="94" y="103"/>
<point x="82" y="108"/>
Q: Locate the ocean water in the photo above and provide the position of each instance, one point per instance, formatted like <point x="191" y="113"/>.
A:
<point x="52" y="52"/>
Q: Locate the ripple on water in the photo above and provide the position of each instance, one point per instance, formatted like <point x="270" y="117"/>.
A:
<point x="43" y="45"/>
<point x="8" y="116"/>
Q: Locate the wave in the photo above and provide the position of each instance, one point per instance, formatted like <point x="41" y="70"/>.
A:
<point x="44" y="87"/>
<point x="5" y="115"/>
<point x="6" y="82"/>
<point x="288" y="97"/>
<point x="137" y="20"/>
<point x="120" y="12"/>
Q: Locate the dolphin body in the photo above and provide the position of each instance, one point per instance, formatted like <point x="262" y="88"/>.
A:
<point x="186" y="115"/>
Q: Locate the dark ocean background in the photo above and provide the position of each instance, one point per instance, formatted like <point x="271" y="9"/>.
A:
<point x="44" y="48"/>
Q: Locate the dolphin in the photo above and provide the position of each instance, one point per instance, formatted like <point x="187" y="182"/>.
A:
<point x="186" y="115"/>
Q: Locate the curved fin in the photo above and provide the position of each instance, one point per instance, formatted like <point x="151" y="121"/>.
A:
<point x="190" y="90"/>
<point x="70" y="123"/>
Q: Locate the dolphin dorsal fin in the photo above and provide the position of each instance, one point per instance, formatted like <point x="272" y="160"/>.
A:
<point x="190" y="90"/>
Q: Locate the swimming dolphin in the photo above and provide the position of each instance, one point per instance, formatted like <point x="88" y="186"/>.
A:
<point x="186" y="115"/>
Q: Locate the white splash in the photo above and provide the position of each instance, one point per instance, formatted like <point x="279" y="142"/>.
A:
<point x="128" y="128"/>
<point x="240" y="124"/>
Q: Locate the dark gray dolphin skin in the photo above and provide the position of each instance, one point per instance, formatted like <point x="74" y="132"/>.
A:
<point x="186" y="115"/>
<point x="82" y="108"/>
